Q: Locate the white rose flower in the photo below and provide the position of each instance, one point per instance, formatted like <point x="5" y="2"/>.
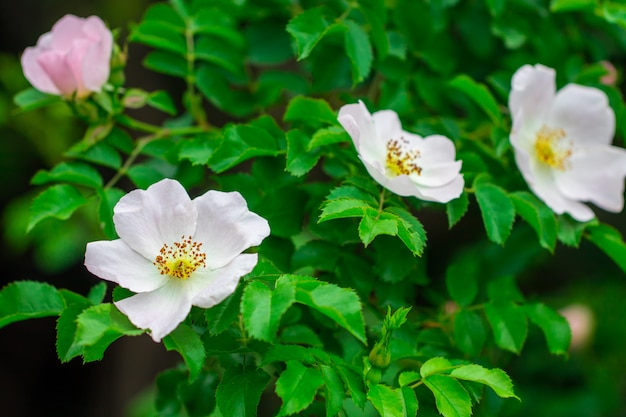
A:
<point x="175" y="252"/>
<point x="403" y="162"/>
<point x="562" y="143"/>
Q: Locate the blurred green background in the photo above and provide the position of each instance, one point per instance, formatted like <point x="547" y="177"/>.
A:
<point x="592" y="382"/>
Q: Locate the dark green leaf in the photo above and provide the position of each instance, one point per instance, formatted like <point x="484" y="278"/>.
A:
<point x="97" y="292"/>
<point x="373" y="224"/>
<point x="161" y="100"/>
<point x="312" y="111"/>
<point x="554" y="326"/>
<point x="538" y="215"/>
<point x="497" y="210"/>
<point x="359" y="51"/>
<point x="328" y="136"/>
<point x="410" y="230"/>
<point x="263" y="308"/>
<point x="451" y="398"/>
<point x="509" y="325"/>
<point x="166" y="63"/>
<point x="610" y="241"/>
<point x="239" y="392"/>
<point x="308" y="28"/>
<point x="74" y="172"/>
<point x="300" y="159"/>
<point x="24" y="300"/>
<point x="58" y="201"/>
<point x="469" y="332"/>
<point x="242" y="142"/>
<point x="220" y="317"/>
<point x="188" y="343"/>
<point x="480" y="95"/>
<point x="456" y="209"/>
<point x="66" y="346"/>
<point x="108" y="199"/>
<point x="462" y="279"/>
<point x="31" y="99"/>
<point x="297" y="387"/>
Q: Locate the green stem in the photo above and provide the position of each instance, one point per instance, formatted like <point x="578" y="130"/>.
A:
<point x="194" y="103"/>
<point x="141" y="143"/>
<point x="158" y="131"/>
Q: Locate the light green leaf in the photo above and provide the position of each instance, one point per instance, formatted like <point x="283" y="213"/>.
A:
<point x="262" y="308"/>
<point x="342" y="208"/>
<point x="328" y="136"/>
<point x="373" y="224"/>
<point x="359" y="51"/>
<point x="354" y="384"/>
<point x="509" y="325"/>
<point x="408" y="377"/>
<point x="311" y="111"/>
<point x="410" y="230"/>
<point x="74" y="172"/>
<point x="300" y="159"/>
<point x="497" y="210"/>
<point x="187" y="342"/>
<point x="434" y="366"/>
<point x="31" y="99"/>
<point x="161" y="100"/>
<point x="101" y="153"/>
<point x="496" y="379"/>
<point x="480" y="95"/>
<point x="451" y="399"/>
<point x="342" y="305"/>
<point x="456" y="209"/>
<point x="23" y="300"/>
<point x="240" y="143"/>
<point x="66" y="346"/>
<point x="610" y="241"/>
<point x="58" y="201"/>
<point x="308" y="28"/>
<point x="240" y="390"/>
<point x="538" y="215"/>
<point x="97" y="292"/>
<point x="393" y="402"/>
<point x="555" y="327"/>
<point x="469" y="332"/>
<point x="297" y="387"/>
<point x="333" y="389"/>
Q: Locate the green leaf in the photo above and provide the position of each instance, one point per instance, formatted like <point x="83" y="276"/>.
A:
<point x="66" y="346"/>
<point x="410" y="230"/>
<point x="108" y="199"/>
<point x="497" y="210"/>
<point x="462" y="279"/>
<point x="408" y="377"/>
<point x="31" y="99"/>
<point x="359" y="51"/>
<point x="160" y="35"/>
<point x="340" y="304"/>
<point x="187" y="342"/>
<point x="101" y="153"/>
<point x="509" y="325"/>
<point x="297" y="387"/>
<point x="166" y="63"/>
<point x="311" y="111"/>
<point x="456" y="209"/>
<point x="435" y="365"/>
<point x="570" y="231"/>
<point x="242" y="142"/>
<point x="97" y="292"/>
<point x="23" y="300"/>
<point x="262" y="308"/>
<point x="451" y="399"/>
<point x="220" y="317"/>
<point x="354" y="384"/>
<point x="469" y="332"/>
<point x="572" y="5"/>
<point x="480" y="95"/>
<point x="300" y="159"/>
<point x="496" y="379"/>
<point x="308" y="28"/>
<point x="161" y="100"/>
<point x="58" y="201"/>
<point x="98" y="327"/>
<point x="342" y="208"/>
<point x="240" y="390"/>
<point x="328" y="136"/>
<point x="373" y="224"/>
<point x="538" y="215"/>
<point x="610" y="241"/>
<point x="333" y="389"/>
<point x="74" y="172"/>
<point x="199" y="149"/>
<point x="554" y="326"/>
<point x="393" y="402"/>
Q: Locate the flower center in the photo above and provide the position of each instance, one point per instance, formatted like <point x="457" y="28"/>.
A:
<point x="180" y="259"/>
<point x="550" y="147"/>
<point x="401" y="159"/>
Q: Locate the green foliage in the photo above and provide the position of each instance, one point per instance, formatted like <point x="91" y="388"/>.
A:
<point x="28" y="299"/>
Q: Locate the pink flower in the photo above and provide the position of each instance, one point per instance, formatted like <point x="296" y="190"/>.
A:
<point x="72" y="58"/>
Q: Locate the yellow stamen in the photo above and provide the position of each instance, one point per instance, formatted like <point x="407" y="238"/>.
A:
<point x="181" y="259"/>
<point x="551" y="149"/>
<point x="400" y="159"/>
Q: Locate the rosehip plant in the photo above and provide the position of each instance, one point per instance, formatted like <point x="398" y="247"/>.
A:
<point x="291" y="227"/>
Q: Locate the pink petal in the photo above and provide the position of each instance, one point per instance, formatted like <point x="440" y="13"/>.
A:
<point x="35" y="74"/>
<point x="65" y="31"/>
<point x="58" y="70"/>
<point x="97" y="59"/>
<point x="117" y="262"/>
<point x="147" y="219"/>
<point x="209" y="287"/>
<point x="161" y="310"/>
<point x="226" y="227"/>
<point x="585" y="115"/>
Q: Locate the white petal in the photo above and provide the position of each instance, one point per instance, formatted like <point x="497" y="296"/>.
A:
<point x="163" y="213"/>
<point x="444" y="193"/>
<point x="595" y="174"/>
<point x="532" y="92"/>
<point x="585" y="115"/>
<point x="437" y="175"/>
<point x="210" y="287"/>
<point x="437" y="149"/>
<point x="401" y="185"/>
<point x="115" y="261"/>
<point x="360" y="125"/>
<point x="161" y="310"/>
<point x="226" y="227"/>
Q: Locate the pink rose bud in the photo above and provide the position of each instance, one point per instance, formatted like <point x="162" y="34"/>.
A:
<point x="74" y="57"/>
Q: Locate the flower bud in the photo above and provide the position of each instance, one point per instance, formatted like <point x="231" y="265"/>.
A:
<point x="72" y="59"/>
<point x="379" y="356"/>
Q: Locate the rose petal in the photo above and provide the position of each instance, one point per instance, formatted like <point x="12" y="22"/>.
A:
<point x="226" y="227"/>
<point x="437" y="149"/>
<point x="96" y="63"/>
<point x="585" y="115"/>
<point x="438" y="175"/>
<point x="60" y="73"/>
<point x="117" y="262"/>
<point x="210" y="286"/>
<point x="65" y="31"/>
<point x="161" y="310"/>
<point x="595" y="174"/>
<point x="360" y="125"/>
<point x="34" y="72"/>
<point x="532" y="91"/>
<point x="147" y="219"/>
<point x="445" y="193"/>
